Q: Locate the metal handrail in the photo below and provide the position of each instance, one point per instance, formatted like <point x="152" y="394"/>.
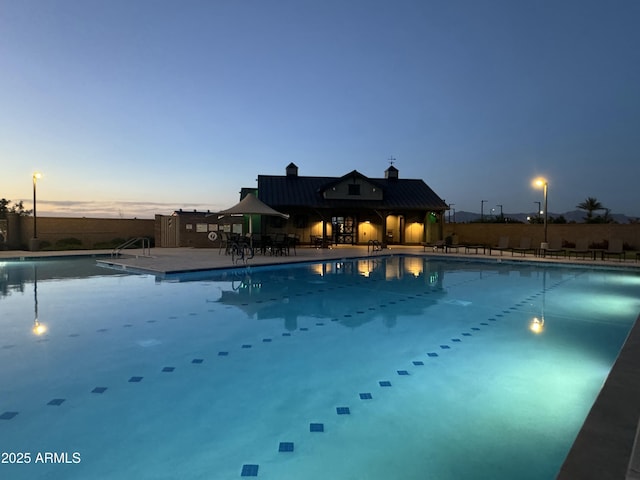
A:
<point x="145" y="244"/>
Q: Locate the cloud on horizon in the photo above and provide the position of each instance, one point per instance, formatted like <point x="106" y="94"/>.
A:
<point x="116" y="209"/>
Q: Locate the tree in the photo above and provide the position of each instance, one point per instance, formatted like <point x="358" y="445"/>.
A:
<point x="591" y="204"/>
<point x="17" y="208"/>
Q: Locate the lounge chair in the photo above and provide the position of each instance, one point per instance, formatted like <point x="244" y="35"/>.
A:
<point x="503" y="244"/>
<point x="525" y="246"/>
<point x="437" y="245"/>
<point x="615" y="249"/>
<point x="555" y="248"/>
<point x="451" y="243"/>
<point x="582" y="248"/>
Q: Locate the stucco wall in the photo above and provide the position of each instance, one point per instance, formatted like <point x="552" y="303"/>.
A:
<point x="489" y="233"/>
<point x="89" y="231"/>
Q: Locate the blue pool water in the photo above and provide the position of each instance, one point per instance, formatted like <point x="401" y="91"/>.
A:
<point x="389" y="368"/>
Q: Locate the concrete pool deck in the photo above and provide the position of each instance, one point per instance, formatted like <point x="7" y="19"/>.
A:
<point x="606" y="446"/>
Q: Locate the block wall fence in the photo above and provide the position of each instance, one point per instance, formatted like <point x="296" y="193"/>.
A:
<point x="92" y="231"/>
<point x="489" y="233"/>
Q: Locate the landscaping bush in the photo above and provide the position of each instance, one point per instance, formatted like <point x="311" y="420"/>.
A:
<point x="113" y="243"/>
<point x="70" y="243"/>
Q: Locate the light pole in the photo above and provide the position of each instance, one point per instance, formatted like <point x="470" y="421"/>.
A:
<point x="34" y="240"/>
<point x="501" y="215"/>
<point x="542" y="182"/>
<point x="454" y="215"/>
<point x="482" y="202"/>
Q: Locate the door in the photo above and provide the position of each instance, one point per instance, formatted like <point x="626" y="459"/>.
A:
<point x="344" y="230"/>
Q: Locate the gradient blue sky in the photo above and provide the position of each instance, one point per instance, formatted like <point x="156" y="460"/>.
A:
<point x="136" y="107"/>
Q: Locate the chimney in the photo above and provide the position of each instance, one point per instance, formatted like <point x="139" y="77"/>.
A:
<point x="292" y="170"/>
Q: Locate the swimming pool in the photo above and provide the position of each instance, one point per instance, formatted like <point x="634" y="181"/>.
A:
<point x="394" y="367"/>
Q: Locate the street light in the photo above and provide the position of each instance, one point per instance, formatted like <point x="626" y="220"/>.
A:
<point x="542" y="182"/>
<point x="34" y="241"/>
<point x="482" y="202"/>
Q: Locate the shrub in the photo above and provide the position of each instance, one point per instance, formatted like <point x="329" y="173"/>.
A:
<point x="68" y="243"/>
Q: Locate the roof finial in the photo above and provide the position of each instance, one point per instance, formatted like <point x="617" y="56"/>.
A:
<point x="391" y="160"/>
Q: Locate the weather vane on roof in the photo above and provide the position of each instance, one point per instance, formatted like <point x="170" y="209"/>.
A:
<point x="391" y="160"/>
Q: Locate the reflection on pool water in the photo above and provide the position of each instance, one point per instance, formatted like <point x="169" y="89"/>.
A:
<point x="387" y="368"/>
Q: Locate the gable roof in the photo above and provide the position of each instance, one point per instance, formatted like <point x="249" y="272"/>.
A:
<point x="282" y="193"/>
<point x="353" y="175"/>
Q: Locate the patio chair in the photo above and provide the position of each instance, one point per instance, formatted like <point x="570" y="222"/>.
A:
<point x="224" y="243"/>
<point x="503" y="244"/>
<point x="615" y="249"/>
<point x="293" y="240"/>
<point x="525" y="246"/>
<point x="582" y="248"/>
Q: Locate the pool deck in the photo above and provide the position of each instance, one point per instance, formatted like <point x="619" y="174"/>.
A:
<point x="608" y="444"/>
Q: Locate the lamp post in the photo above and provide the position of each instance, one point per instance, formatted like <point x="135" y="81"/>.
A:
<point x="34" y="240"/>
<point x="482" y="202"/>
<point x="454" y="216"/>
<point x="501" y="215"/>
<point x="542" y="182"/>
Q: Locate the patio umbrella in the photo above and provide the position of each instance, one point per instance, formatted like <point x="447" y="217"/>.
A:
<point x="251" y="205"/>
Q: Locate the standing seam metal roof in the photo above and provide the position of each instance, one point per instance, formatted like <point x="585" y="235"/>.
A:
<point x="305" y="192"/>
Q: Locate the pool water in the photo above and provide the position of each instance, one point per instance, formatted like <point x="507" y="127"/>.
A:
<point x="388" y="368"/>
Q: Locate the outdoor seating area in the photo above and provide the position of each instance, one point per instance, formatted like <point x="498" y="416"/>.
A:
<point x="278" y="244"/>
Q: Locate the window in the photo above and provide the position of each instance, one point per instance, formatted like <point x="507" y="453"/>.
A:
<point x="354" y="189"/>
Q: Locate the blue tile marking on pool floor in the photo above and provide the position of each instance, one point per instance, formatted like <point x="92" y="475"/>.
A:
<point x="8" y="415"/>
<point x="135" y="379"/>
<point x="343" y="411"/>
<point x="168" y="369"/>
<point x="249" y="470"/>
<point x="365" y="396"/>
<point x="56" y="402"/>
<point x="99" y="390"/>
<point x="418" y="362"/>
<point x="403" y="372"/>
<point x="285" y="447"/>
<point x="198" y="361"/>
<point x="385" y="383"/>
<point x="316" y="427"/>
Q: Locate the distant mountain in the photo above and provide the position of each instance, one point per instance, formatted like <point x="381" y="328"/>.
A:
<point x="576" y="216"/>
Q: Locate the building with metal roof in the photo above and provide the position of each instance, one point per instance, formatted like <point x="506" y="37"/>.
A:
<point x="353" y="208"/>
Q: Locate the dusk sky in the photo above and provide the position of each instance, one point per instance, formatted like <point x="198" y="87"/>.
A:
<point x="136" y="107"/>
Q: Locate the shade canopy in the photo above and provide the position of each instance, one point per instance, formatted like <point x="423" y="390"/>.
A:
<point x="251" y="205"/>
